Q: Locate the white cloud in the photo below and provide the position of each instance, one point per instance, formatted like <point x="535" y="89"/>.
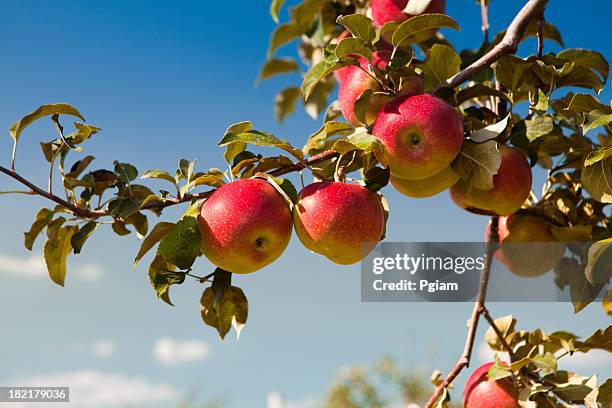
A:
<point x="103" y="348"/>
<point x="170" y="351"/>
<point x="583" y="361"/>
<point x="89" y="388"/>
<point x="485" y="354"/>
<point x="34" y="267"/>
<point x="275" y="400"/>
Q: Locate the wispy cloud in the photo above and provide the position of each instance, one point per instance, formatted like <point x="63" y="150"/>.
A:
<point x="276" y="400"/>
<point x="89" y="388"/>
<point x="34" y="266"/>
<point x="103" y="348"/>
<point x="170" y="351"/>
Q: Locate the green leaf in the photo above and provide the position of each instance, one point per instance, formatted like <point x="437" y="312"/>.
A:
<point x="277" y="66"/>
<point x="441" y="63"/>
<point x="478" y="163"/>
<point x="282" y="35"/>
<point x="539" y="126"/>
<point x="353" y="46"/>
<point x="160" y="279"/>
<point x="125" y="171"/>
<point x="259" y="138"/>
<point x="43" y="218"/>
<point x="79" y="167"/>
<point x="317" y="141"/>
<point x="598" y="154"/>
<point x="140" y="223"/>
<point x="213" y="180"/>
<point x="222" y="281"/>
<point x="181" y="246"/>
<point x="159" y="174"/>
<point x="547" y="362"/>
<point x="418" y="24"/>
<point x="491" y="131"/>
<point x="287" y="188"/>
<point x="596" y="119"/>
<point x="45" y="110"/>
<point x="597" y="180"/>
<point x="582" y="78"/>
<point x="319" y="71"/>
<point x="375" y="178"/>
<point x="159" y="232"/>
<point x="361" y="106"/>
<point x="585" y="103"/>
<point x="231" y="310"/>
<point x="587" y="59"/>
<point x="359" y="26"/>
<point x="284" y="103"/>
<point x="316" y="102"/>
<point x="78" y="239"/>
<point x="119" y="228"/>
<point x="498" y="371"/>
<point x="599" y="262"/>
<point x="506" y="325"/>
<point x="56" y="250"/>
<point x="275" y="7"/>
<point x="510" y="72"/>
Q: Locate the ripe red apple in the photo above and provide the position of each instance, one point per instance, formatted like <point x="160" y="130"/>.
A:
<point x="384" y="11"/>
<point x="354" y="81"/>
<point x="427" y="187"/>
<point x="342" y="221"/>
<point x="511" y="187"/>
<point x="481" y="392"/>
<point x="245" y="225"/>
<point x="421" y="136"/>
<point x="527" y="246"/>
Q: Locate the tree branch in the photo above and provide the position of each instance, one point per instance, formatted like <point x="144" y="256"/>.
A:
<point x="93" y="214"/>
<point x="478" y="310"/>
<point x="79" y="212"/>
<point x="508" y="45"/>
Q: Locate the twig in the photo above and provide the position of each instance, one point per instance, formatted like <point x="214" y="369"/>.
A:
<point x="508" y="45"/>
<point x="477" y="311"/>
<point x="97" y="213"/>
<point x="484" y="15"/>
<point x="498" y="333"/>
<point x="540" y="23"/>
<point x="80" y="212"/>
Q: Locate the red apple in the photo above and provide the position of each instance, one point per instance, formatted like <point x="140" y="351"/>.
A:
<point x="511" y="187"/>
<point x="421" y="136"/>
<point x="384" y="11"/>
<point x="245" y="225"/>
<point x="481" y="392"/>
<point x="354" y="81"/>
<point x="341" y="221"/>
<point x="527" y="246"/>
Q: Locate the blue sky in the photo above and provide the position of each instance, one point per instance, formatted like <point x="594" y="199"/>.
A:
<point x="163" y="80"/>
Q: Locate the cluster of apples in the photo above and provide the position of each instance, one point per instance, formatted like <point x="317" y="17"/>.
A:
<point x="246" y="224"/>
<point x="422" y="134"/>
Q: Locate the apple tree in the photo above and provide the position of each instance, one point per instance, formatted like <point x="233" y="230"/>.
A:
<point x="412" y="112"/>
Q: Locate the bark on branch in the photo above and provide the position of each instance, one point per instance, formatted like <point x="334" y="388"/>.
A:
<point x="508" y="45"/>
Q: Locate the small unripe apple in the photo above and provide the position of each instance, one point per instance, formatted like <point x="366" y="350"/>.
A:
<point x="426" y="187"/>
<point x="384" y="11"/>
<point x="245" y="225"/>
<point x="421" y="136"/>
<point x="354" y="81"/>
<point x="527" y="246"/>
<point x="511" y="187"/>
<point x="341" y="221"/>
<point x="481" y="392"/>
